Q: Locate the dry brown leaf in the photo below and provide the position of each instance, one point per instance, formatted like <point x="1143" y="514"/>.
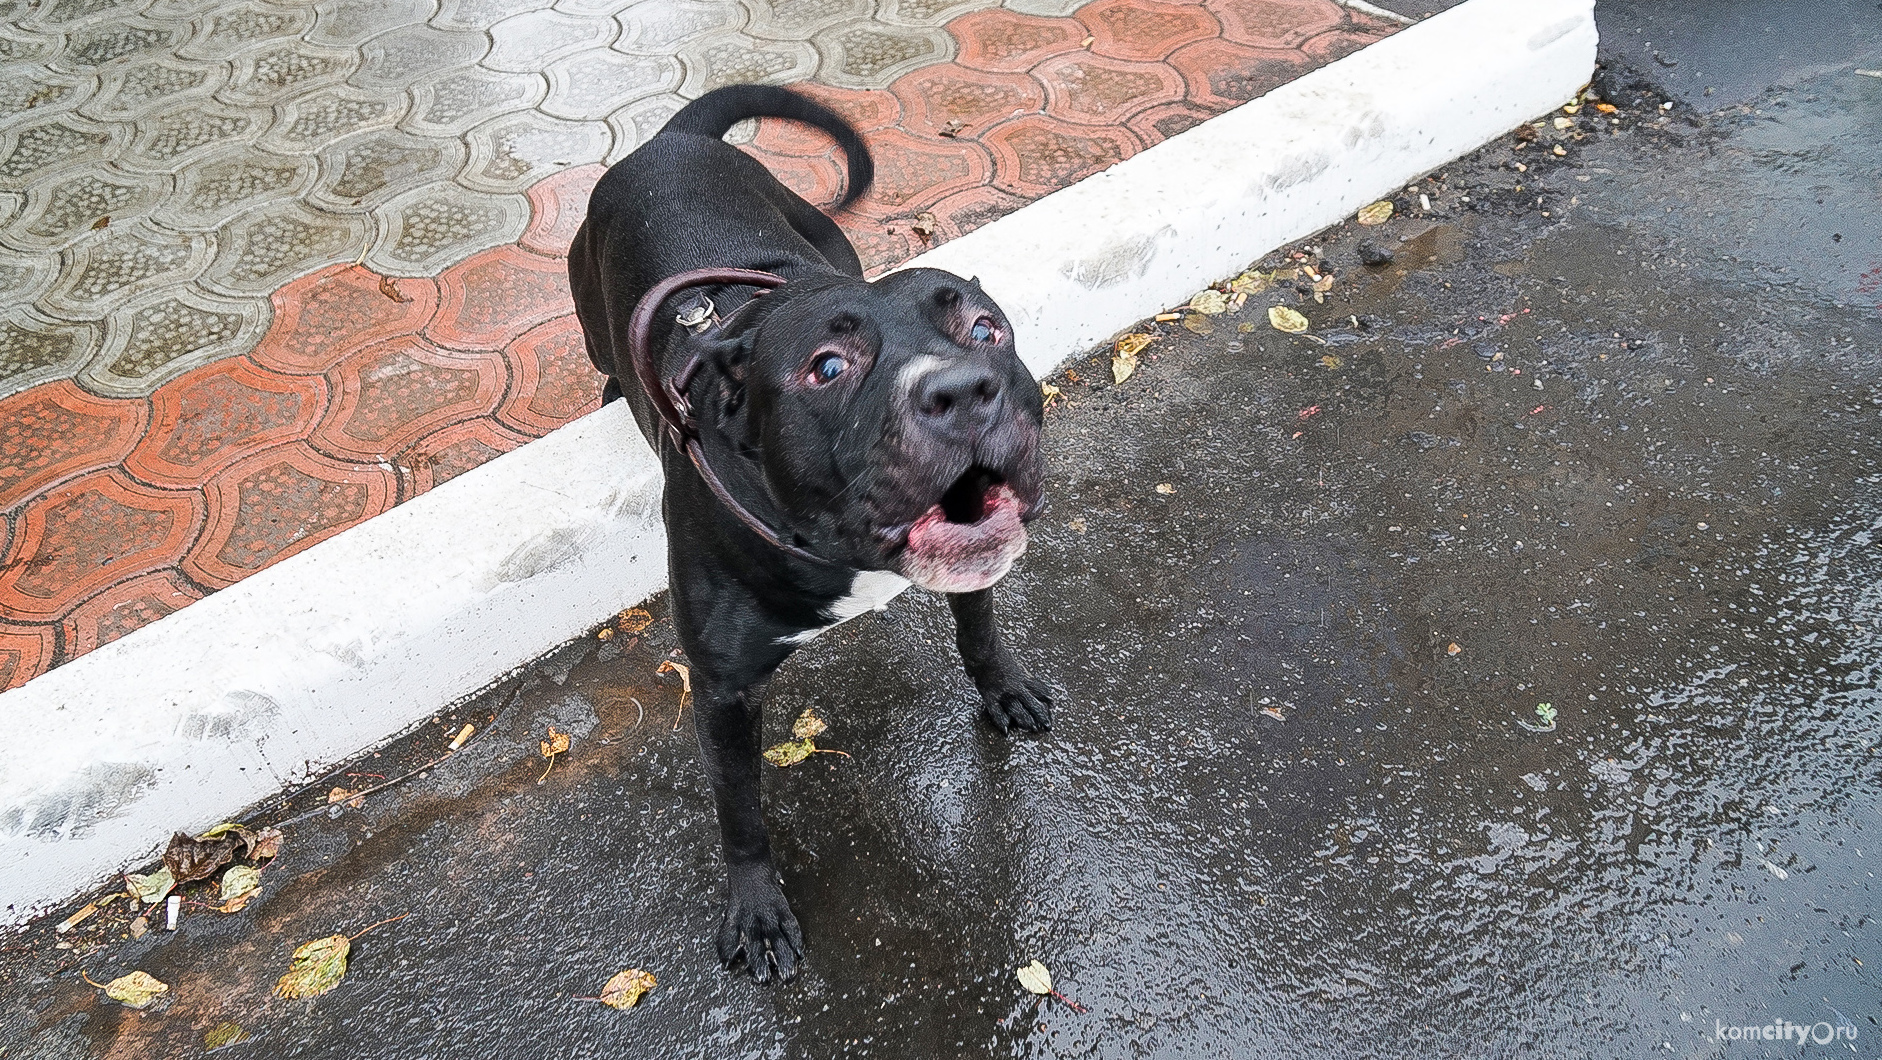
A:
<point x="625" y="990"/>
<point x="391" y="290"/>
<point x="1134" y="343"/>
<point x="1452" y="648"/>
<point x="557" y="743"/>
<point x="634" y="620"/>
<point x="1199" y="324"/>
<point x="267" y="844"/>
<point x="668" y="666"/>
<point x="189" y="858"/>
<point x="102" y="222"/>
<point x="225" y="1033"/>
<point x="924" y="226"/>
<point x="349" y="796"/>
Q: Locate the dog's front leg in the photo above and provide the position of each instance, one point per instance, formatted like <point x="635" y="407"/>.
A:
<point x="1010" y="696"/>
<point x="758" y="921"/>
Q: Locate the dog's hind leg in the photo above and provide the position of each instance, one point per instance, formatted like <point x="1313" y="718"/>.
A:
<point x="1010" y="696"/>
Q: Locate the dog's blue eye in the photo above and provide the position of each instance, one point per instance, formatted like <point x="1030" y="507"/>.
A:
<point x="828" y="368"/>
<point x="983" y="330"/>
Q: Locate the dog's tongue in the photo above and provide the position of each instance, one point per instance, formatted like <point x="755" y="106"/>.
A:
<point x="965" y="557"/>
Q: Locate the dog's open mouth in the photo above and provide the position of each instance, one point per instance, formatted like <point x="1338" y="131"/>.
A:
<point x="969" y="539"/>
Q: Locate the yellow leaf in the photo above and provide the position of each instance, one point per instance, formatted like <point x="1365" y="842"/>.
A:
<point x="1285" y="319"/>
<point x="136" y="990"/>
<point x="625" y="989"/>
<point x="1122" y="365"/>
<point x="1035" y="977"/>
<point x="1377" y="213"/>
<point x="1211" y="301"/>
<point x="239" y="884"/>
<point x="790" y="752"/>
<point x="557" y="743"/>
<point x="317" y="967"/>
<point x="1332" y="362"/>
<point x="1248" y="283"/>
<point x="1050" y="393"/>
<point x="1199" y="324"/>
<point x="633" y="620"/>
<point x="225" y="1033"/>
<point x="808" y="725"/>
<point x="1133" y="343"/>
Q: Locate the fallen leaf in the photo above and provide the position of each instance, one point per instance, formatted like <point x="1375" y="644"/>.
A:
<point x="239" y="884"/>
<point x="625" y="989"/>
<point x="1376" y="213"/>
<point x="1285" y="319"/>
<point x="1211" y="301"/>
<point x="1332" y="362"/>
<point x="1248" y="283"/>
<point x="189" y="858"/>
<point x="1452" y="649"/>
<point x="557" y="743"/>
<point x="136" y="990"/>
<point x="391" y="290"/>
<point x="102" y="222"/>
<point x="350" y="797"/>
<point x="1287" y="275"/>
<point x="1564" y="123"/>
<point x="267" y="844"/>
<point x="633" y="620"/>
<point x="1035" y="977"/>
<point x="1165" y="488"/>
<point x="150" y="889"/>
<point x="317" y="967"/>
<point x="808" y="725"/>
<point x="924" y="225"/>
<point x="1050" y="393"/>
<point x="1323" y="284"/>
<point x="1134" y="343"/>
<point x="1607" y="108"/>
<point x="1123" y="364"/>
<point x="790" y="752"/>
<point x="686" y="678"/>
<point x="225" y="1033"/>
<point x="1199" y="324"/>
<point x="139" y="927"/>
<point x="953" y="128"/>
<point x="1274" y="712"/>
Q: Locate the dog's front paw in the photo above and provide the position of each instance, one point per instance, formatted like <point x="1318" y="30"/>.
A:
<point x="1016" y="700"/>
<point x="758" y="925"/>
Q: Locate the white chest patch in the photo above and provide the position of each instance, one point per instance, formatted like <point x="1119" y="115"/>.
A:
<point x="871" y="590"/>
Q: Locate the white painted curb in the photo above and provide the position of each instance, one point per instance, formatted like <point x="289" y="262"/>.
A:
<point x="261" y="685"/>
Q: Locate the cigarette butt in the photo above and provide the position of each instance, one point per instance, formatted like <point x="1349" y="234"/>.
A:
<point x="1166" y="317"/>
<point x="463" y="736"/>
<point x="172" y="908"/>
<point x="77" y="918"/>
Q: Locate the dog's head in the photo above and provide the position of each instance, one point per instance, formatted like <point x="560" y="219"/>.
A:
<point x="890" y="423"/>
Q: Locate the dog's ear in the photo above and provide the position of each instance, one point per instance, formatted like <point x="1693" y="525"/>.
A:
<point x="729" y="354"/>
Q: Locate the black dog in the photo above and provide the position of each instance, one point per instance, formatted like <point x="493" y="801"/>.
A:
<point x="821" y="443"/>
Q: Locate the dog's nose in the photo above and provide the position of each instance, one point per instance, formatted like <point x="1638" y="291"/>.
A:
<point x="960" y="398"/>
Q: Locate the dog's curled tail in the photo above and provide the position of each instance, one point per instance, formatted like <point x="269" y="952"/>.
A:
<point x="718" y="110"/>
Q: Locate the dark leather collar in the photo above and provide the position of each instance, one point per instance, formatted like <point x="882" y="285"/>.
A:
<point x="669" y="396"/>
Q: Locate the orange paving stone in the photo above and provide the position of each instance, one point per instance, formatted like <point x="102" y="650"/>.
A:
<point x="370" y="384"/>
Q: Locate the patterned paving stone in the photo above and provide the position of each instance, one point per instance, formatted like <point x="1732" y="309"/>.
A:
<point x="104" y="268"/>
<point x="79" y="537"/>
<point x="657" y="27"/>
<point x="1276" y="23"/>
<point x="1036" y="155"/>
<point x="557" y="207"/>
<point x="802" y="19"/>
<point x="60" y="210"/>
<point x="159" y="144"/>
<point x="870" y="55"/>
<point x="963" y="99"/>
<point x="259" y="253"/>
<point x="55" y="431"/>
<point x="552" y="380"/>
<point x="32" y="348"/>
<point x="279" y="72"/>
<point x="1144" y="30"/>
<point x="349" y="22"/>
<point x="527" y="42"/>
<point x="27" y="152"/>
<point x="97" y="45"/>
<point x="732" y="58"/>
<point x="428" y="229"/>
<point x="402" y="56"/>
<point x="374" y="166"/>
<point x="322" y="317"/>
<point x="202" y="422"/>
<point x="229" y="30"/>
<point x="447" y="453"/>
<point x="389" y="395"/>
<point x="162" y="335"/>
<point x="451" y="103"/>
<point x="127" y="606"/>
<point x="593" y="85"/>
<point x="497" y="295"/>
<point x="1094" y="90"/>
<point x="515" y="151"/>
<point x="310" y="121"/>
<point x="134" y="90"/>
<point x="277" y="502"/>
<point x="233" y="184"/>
<point x="25" y="652"/>
<point x="1008" y="42"/>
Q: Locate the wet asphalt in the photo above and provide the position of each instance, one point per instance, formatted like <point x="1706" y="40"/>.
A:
<point x="1605" y="437"/>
